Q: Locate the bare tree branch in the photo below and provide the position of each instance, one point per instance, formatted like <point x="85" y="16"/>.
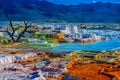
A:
<point x="25" y="29"/>
<point x="11" y="30"/>
<point x="10" y="20"/>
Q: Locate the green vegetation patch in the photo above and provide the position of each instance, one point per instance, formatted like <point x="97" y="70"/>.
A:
<point x="42" y="46"/>
<point x="50" y="40"/>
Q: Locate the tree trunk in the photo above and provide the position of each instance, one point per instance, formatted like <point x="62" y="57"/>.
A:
<point x="12" y="38"/>
<point x="22" y="33"/>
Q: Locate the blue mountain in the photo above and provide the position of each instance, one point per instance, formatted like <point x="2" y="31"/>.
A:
<point x="45" y="10"/>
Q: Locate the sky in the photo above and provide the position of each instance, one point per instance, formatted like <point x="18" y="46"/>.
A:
<point x="69" y="2"/>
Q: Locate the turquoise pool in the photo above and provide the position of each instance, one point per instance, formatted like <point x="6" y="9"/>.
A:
<point x="97" y="46"/>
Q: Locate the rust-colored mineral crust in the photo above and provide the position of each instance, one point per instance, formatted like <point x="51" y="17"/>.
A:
<point x="113" y="71"/>
<point x="88" y="71"/>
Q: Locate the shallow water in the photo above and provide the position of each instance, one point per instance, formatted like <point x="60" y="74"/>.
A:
<point x="96" y="46"/>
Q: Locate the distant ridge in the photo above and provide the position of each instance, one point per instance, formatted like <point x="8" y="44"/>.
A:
<point x="45" y="10"/>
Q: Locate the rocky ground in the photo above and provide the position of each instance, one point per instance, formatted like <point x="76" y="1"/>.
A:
<point x="21" y="62"/>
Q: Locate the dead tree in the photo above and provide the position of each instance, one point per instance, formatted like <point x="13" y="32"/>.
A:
<point x="11" y="30"/>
